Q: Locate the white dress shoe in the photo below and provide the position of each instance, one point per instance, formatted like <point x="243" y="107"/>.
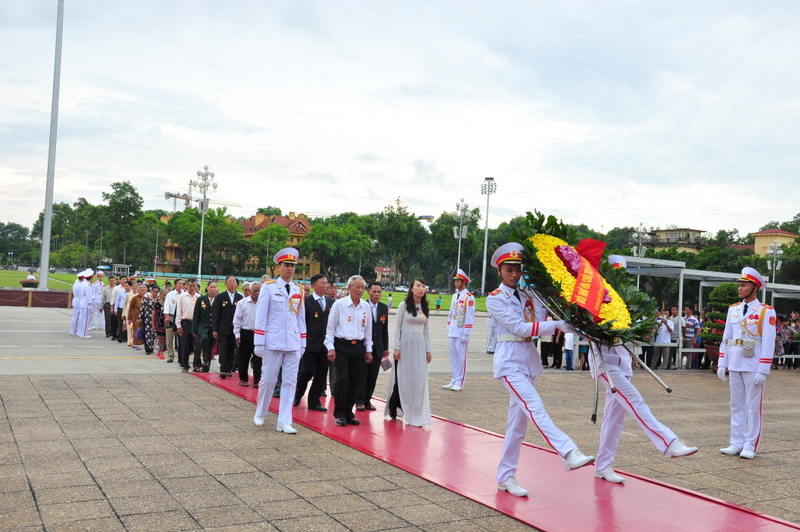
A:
<point x="448" y="386"/>
<point x="730" y="450"/>
<point x="747" y="454"/>
<point x="258" y="420"/>
<point x="610" y="475"/>
<point x="456" y="388"/>
<point x="510" y="485"/>
<point x="576" y="459"/>
<point x="288" y="429"/>
<point x="677" y="449"/>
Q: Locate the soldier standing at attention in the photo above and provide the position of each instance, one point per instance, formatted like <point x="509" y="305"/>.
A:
<point x="280" y="339"/>
<point x="748" y="344"/>
<point x="459" y="327"/>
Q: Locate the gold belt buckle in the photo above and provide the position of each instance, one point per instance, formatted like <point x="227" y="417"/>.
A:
<point x="527" y="339"/>
<point x="739" y="342"/>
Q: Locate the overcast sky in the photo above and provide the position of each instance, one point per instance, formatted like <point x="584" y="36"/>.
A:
<point x="604" y="113"/>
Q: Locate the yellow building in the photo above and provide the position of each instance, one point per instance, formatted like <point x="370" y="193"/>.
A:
<point x="764" y="238"/>
<point x="684" y="239"/>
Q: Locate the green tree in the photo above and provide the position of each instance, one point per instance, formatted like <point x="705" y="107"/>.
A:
<point x="124" y="207"/>
<point x="339" y="250"/>
<point x="270" y="211"/>
<point x="618" y="239"/>
<point x="267" y="242"/>
<point x="399" y="236"/>
<point x="59" y="224"/>
<point x="446" y="245"/>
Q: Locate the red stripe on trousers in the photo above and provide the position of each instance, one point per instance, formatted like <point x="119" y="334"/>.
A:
<point x="637" y="414"/>
<point x="530" y="414"/>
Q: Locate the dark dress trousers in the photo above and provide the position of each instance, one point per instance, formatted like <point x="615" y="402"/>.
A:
<point x="201" y="326"/>
<point x="380" y="343"/>
<point x="314" y="364"/>
<point x="222" y="324"/>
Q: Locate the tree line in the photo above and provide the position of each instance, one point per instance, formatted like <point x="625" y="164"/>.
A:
<point x="119" y="230"/>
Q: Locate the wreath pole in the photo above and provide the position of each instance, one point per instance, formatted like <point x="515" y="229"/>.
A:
<point x="646" y="367"/>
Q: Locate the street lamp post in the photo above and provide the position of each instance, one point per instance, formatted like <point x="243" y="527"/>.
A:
<point x="202" y="183"/>
<point x="639" y="238"/>
<point x="488" y="187"/>
<point x="461" y="215"/>
<point x="774" y="254"/>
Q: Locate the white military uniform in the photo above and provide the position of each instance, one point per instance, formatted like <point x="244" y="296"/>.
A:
<point x="73" y="326"/>
<point x="459" y="328"/>
<point x="748" y="344"/>
<point x="97" y="320"/>
<point x="627" y="399"/>
<point x="517" y="364"/>
<point x="280" y="330"/>
<point x="84" y="296"/>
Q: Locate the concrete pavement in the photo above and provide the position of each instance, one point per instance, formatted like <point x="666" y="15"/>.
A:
<point x="105" y="438"/>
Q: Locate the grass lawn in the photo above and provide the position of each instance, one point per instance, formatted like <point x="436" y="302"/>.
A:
<point x="480" y="302"/>
<point x="57" y="281"/>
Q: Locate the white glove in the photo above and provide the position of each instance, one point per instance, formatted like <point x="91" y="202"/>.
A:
<point x="464" y="339"/>
<point x="721" y="374"/>
<point x="259" y="351"/>
<point x="759" y="379"/>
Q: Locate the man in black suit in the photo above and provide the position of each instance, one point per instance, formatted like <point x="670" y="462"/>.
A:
<point x="222" y="314"/>
<point x="314" y="363"/>
<point x="380" y="348"/>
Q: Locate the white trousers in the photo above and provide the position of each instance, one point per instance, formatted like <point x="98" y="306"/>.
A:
<point x="73" y="326"/>
<point x="83" y="322"/>
<point x="273" y="362"/>
<point x="747" y="403"/>
<point x="526" y="405"/>
<point x="458" y="361"/>
<point x="98" y="318"/>
<point x="626" y="400"/>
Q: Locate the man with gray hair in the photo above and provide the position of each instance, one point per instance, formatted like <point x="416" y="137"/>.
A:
<point x="348" y="338"/>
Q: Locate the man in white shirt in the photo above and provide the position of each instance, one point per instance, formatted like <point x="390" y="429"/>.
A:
<point x="349" y="342"/>
<point x="662" y="337"/>
<point x="243" y="325"/>
<point x="184" y="316"/>
<point x="170" y="323"/>
<point x="106" y="302"/>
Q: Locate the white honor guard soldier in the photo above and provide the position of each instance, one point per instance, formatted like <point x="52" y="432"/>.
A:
<point x="626" y="400"/>
<point x="518" y="317"/>
<point x="748" y="344"/>
<point x="279" y="339"/>
<point x="76" y="309"/>
<point x="459" y="327"/>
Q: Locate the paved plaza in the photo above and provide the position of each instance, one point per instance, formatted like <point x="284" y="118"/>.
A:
<point x="96" y="436"/>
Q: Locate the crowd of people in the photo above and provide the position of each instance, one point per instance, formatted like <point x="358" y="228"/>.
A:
<point x="296" y="339"/>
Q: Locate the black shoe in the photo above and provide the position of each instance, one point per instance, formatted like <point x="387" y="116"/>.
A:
<point x="223" y="376"/>
<point x="296" y="403"/>
<point x="393" y="414"/>
<point x="276" y="394"/>
<point x="318" y="408"/>
<point x="341" y="421"/>
<point x="353" y="421"/>
<point x="170" y="361"/>
<point x="204" y="369"/>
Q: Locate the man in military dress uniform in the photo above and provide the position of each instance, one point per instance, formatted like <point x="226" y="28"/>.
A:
<point x="459" y="327"/>
<point x="519" y="317"/>
<point x="280" y="339"/>
<point x="748" y="344"/>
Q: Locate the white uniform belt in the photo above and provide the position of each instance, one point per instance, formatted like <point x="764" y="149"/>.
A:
<point x="732" y="342"/>
<point x="513" y="338"/>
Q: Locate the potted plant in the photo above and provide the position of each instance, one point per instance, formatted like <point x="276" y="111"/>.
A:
<point x="29" y="283"/>
<point x="720" y="298"/>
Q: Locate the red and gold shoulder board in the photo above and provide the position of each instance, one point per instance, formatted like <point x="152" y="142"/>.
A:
<point x="733" y="305"/>
<point x="494" y="292"/>
<point x="769" y="307"/>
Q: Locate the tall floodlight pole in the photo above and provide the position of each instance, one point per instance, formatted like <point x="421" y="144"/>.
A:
<point x="44" y="260"/>
<point x="204" y="181"/>
<point x="488" y="187"/>
<point x="461" y="215"/>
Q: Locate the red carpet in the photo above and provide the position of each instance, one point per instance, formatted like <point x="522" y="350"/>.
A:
<point x="464" y="459"/>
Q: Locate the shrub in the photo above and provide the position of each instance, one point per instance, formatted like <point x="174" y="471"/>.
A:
<point x="719" y="299"/>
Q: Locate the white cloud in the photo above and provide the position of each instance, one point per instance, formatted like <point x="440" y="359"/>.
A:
<point x="605" y="114"/>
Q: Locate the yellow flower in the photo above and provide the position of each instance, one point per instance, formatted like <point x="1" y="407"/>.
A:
<point x="546" y="253"/>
